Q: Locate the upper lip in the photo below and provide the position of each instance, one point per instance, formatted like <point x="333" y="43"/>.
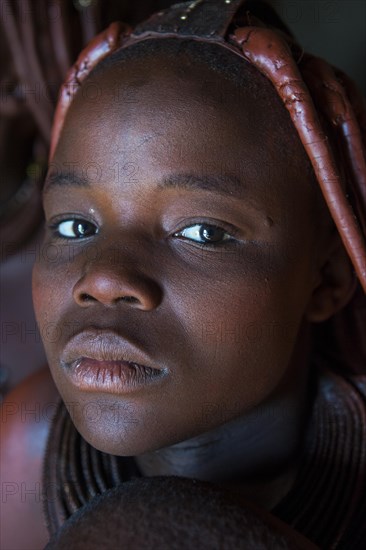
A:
<point x="103" y="345"/>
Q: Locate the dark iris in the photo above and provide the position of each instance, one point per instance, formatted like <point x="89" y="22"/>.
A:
<point x="83" y="228"/>
<point x="211" y="234"/>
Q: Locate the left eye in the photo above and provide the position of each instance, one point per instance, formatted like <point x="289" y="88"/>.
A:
<point x="204" y="234"/>
<point x="75" y="229"/>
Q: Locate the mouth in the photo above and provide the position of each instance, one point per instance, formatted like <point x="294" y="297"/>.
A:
<point x="100" y="360"/>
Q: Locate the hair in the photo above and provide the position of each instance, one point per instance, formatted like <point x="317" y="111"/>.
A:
<point x="41" y="39"/>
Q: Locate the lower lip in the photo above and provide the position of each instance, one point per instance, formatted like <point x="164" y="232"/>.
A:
<point x="111" y="376"/>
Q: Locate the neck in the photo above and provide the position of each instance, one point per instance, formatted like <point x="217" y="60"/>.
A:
<point x="255" y="454"/>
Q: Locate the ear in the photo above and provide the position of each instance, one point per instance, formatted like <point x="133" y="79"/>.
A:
<point x="335" y="283"/>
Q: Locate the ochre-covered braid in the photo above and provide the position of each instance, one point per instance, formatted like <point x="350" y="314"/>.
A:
<point x="100" y="47"/>
<point x="27" y="66"/>
<point x="268" y="51"/>
<point x="333" y="100"/>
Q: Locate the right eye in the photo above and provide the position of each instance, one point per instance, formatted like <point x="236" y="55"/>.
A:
<point x="75" y="229"/>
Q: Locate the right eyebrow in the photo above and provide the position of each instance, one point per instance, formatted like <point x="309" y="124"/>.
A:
<point x="64" y="179"/>
<point x="222" y="184"/>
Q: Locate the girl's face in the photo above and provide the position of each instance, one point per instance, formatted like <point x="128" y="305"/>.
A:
<point x="179" y="237"/>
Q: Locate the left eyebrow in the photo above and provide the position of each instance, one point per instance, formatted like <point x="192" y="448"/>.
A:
<point x="222" y="184"/>
<point x="64" y="179"/>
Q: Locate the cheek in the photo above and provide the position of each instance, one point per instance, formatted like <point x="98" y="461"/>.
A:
<point x="43" y="292"/>
<point x="241" y="337"/>
<point x="52" y="284"/>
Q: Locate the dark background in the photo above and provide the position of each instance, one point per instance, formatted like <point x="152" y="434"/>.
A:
<point x="333" y="29"/>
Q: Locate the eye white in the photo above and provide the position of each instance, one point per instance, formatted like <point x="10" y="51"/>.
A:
<point x="76" y="229"/>
<point x="66" y="228"/>
<point x="194" y="233"/>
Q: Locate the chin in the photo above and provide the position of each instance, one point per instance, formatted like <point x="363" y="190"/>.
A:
<point x="122" y="440"/>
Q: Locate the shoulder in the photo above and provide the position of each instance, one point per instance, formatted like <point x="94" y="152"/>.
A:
<point x="26" y="416"/>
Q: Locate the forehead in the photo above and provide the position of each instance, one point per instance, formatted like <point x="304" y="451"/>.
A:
<point x="162" y="112"/>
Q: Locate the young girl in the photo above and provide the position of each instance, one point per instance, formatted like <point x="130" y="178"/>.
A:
<point x="201" y="314"/>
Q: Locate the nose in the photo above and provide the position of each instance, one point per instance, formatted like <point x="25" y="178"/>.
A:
<point x="107" y="285"/>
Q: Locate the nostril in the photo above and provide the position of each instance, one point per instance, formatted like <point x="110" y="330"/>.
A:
<point x="86" y="298"/>
<point x="129" y="299"/>
<point x="102" y="286"/>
